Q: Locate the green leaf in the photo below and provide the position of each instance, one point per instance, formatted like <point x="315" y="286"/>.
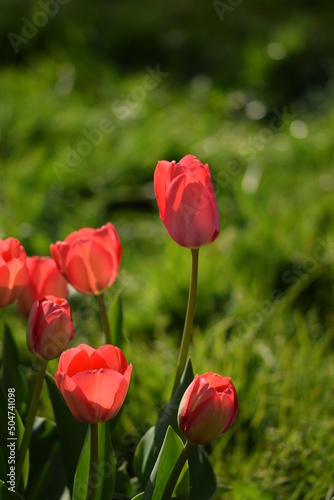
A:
<point x="47" y="478"/>
<point x="168" y="456"/>
<point x="115" y="318"/>
<point x="150" y="445"/>
<point x="70" y="431"/>
<point x="11" y="372"/>
<point x="3" y="469"/>
<point x="6" y="494"/>
<point x="18" y="431"/>
<point x="105" y="468"/>
<point x="82" y="472"/>
<point x="140" y="496"/>
<point x="202" y="478"/>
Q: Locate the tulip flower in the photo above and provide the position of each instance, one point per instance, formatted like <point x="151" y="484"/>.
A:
<point x="94" y="383"/>
<point x="13" y="272"/>
<point x="89" y="258"/>
<point x="50" y="327"/>
<point x="187" y="202"/>
<point x="45" y="279"/>
<point x="208" y="408"/>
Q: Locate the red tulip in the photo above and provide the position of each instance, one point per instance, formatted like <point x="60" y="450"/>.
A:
<point x="45" y="279"/>
<point x="208" y="408"/>
<point x="13" y="272"/>
<point x="89" y="258"/>
<point x="94" y="383"/>
<point x="50" y="327"/>
<point x="186" y="201"/>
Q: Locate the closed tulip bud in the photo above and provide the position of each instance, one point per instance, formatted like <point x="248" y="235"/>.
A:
<point x="208" y="408"/>
<point x="89" y="258"/>
<point x="44" y="279"/>
<point x="13" y="272"/>
<point x="187" y="202"/>
<point x="93" y="382"/>
<point x="50" y="327"/>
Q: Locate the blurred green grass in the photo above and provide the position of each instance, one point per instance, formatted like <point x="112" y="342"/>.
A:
<point x="274" y="188"/>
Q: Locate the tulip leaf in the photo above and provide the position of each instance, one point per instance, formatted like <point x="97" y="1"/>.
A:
<point x="11" y="371"/>
<point x="18" y="430"/>
<point x="6" y="494"/>
<point x="168" y="456"/>
<point x="115" y="318"/>
<point x="3" y="470"/>
<point x="202" y="477"/>
<point x="104" y="471"/>
<point x="70" y="431"/>
<point x="150" y="445"/>
<point x="47" y="477"/>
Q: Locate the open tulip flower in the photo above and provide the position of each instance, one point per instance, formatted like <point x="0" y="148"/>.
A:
<point x="208" y="408"/>
<point x="45" y="279"/>
<point x="13" y="272"/>
<point x="187" y="202"/>
<point x="94" y="383"/>
<point x="89" y="258"/>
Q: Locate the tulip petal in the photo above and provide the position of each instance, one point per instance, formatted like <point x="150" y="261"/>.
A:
<point x="189" y="216"/>
<point x="74" y="360"/>
<point x="217" y="381"/>
<point x="90" y="267"/>
<point x="113" y="357"/>
<point x="75" y="399"/>
<point x="213" y="416"/>
<point x="161" y="181"/>
<point x="100" y="388"/>
<point x="59" y="251"/>
<point x="84" y="233"/>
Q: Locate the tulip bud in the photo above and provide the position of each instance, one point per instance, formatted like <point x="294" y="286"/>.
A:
<point x="50" y="327"/>
<point x="187" y="201"/>
<point x="93" y="382"/>
<point x="208" y="408"/>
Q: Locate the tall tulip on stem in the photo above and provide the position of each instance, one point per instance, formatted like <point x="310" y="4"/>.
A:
<point x="188" y="208"/>
<point x="207" y="409"/>
<point x="90" y="259"/>
<point x="94" y="384"/>
<point x="49" y="331"/>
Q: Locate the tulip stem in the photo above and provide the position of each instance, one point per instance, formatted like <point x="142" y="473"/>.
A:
<point x="177" y="470"/>
<point x="188" y="324"/>
<point x="30" y="419"/>
<point x="94" y="456"/>
<point x="104" y="318"/>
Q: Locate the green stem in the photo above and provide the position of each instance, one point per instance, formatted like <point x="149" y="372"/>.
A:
<point x="188" y="324"/>
<point x="30" y="420"/>
<point x="104" y="318"/>
<point x="94" y="452"/>
<point x="177" y="470"/>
